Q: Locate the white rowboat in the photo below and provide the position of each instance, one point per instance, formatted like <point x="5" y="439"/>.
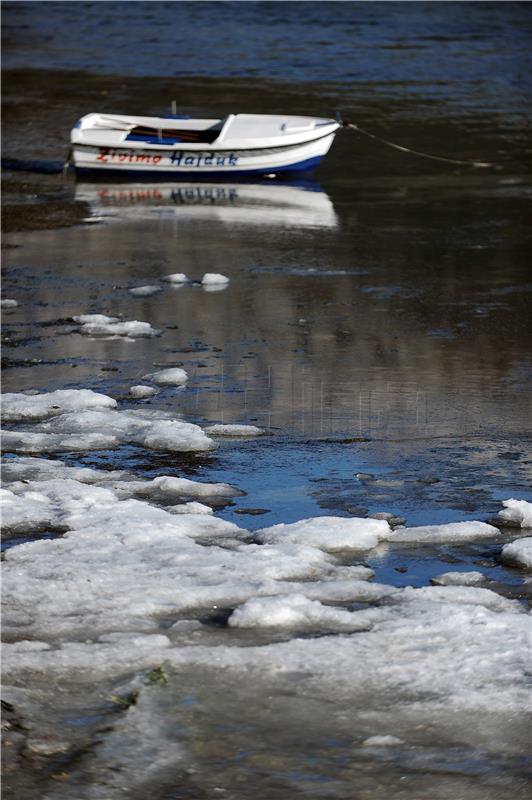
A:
<point x="240" y="144"/>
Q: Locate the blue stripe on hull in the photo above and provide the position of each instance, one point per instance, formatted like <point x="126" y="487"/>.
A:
<point x="302" y="166"/>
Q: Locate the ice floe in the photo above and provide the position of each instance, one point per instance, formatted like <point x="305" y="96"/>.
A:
<point x="175" y="277"/>
<point x="166" y="488"/>
<point x="95" y="319"/>
<point x="20" y="406"/>
<point x="102" y="325"/>
<point x="331" y="534"/>
<point x="214" y="278"/>
<point x="107" y="428"/>
<point x="8" y="302"/>
<point x="518" y="553"/>
<point x="458" y="579"/>
<point x="141" y="392"/>
<point x="449" y="532"/>
<point x="28" y="468"/>
<point x="233" y="430"/>
<point x="516" y="513"/>
<point x="31" y="505"/>
<point x="382" y="741"/>
<point x="174" y="376"/>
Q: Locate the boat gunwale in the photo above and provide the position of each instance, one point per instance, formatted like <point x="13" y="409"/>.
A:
<point x="201" y="146"/>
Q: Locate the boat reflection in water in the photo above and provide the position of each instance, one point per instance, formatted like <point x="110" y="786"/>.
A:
<point x="301" y="204"/>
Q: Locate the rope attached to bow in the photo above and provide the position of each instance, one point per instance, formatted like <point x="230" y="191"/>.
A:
<point x="355" y="127"/>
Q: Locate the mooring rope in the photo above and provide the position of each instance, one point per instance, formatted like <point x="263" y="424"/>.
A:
<point x="355" y="127"/>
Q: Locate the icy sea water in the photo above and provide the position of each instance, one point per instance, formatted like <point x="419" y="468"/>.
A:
<point x="376" y="325"/>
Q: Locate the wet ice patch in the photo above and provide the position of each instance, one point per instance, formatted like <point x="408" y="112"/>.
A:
<point x="233" y="430"/>
<point x="174" y="376"/>
<point x="331" y="534"/>
<point x="450" y="532"/>
<point x="20" y="406"/>
<point x="296" y="611"/>
<point x="516" y="513"/>
<point x="518" y="553"/>
<point x="433" y="656"/>
<point x="458" y="595"/>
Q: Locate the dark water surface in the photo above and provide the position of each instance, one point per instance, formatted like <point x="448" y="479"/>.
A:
<point x="472" y="55"/>
<point x="377" y="319"/>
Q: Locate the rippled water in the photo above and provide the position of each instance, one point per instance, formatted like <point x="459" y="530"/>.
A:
<point x="470" y="55"/>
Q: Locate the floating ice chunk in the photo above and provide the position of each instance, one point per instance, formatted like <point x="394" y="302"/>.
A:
<point x="234" y="430"/>
<point x="517" y="513"/>
<point x="136" y="524"/>
<point x="174" y="376"/>
<point x="139" y="392"/>
<point x="458" y="579"/>
<point x="296" y="611"/>
<point x="166" y="487"/>
<point x="95" y="319"/>
<point x="144" y="291"/>
<point x="131" y="330"/>
<point x="382" y="741"/>
<point x="214" y="278"/>
<point x="19" y="406"/>
<point x="8" y="302"/>
<point x="331" y="534"/>
<point x="174" y="435"/>
<point x="450" y="532"/>
<point x="28" y="514"/>
<point x="458" y="595"/>
<point x="175" y="277"/>
<point x="100" y="429"/>
<point x="518" y="553"/>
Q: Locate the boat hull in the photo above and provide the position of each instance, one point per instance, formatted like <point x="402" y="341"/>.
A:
<point x="208" y="162"/>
